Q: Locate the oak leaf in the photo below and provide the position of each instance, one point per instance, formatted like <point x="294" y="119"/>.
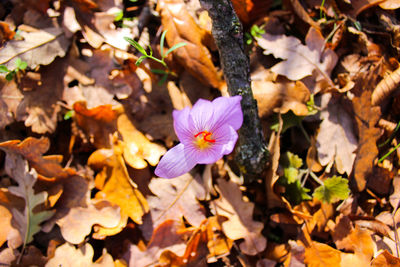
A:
<point x="165" y="236"/>
<point x="318" y="255"/>
<point x="240" y="223"/>
<point x="366" y="119"/>
<point x="67" y="255"/>
<point x="336" y="141"/>
<point x="385" y="259"/>
<point x="116" y="185"/>
<point x="173" y="199"/>
<point x="300" y="60"/>
<point x="30" y="219"/>
<point x="137" y="148"/>
<point x="181" y="27"/>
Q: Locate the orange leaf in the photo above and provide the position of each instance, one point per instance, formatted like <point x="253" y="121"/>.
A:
<point x="318" y="255"/>
<point x="385" y="259"/>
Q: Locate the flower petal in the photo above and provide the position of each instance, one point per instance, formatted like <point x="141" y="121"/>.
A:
<point x="225" y="140"/>
<point x="182" y="126"/>
<point x="227" y="110"/>
<point x="175" y="162"/>
<point x="202" y="115"/>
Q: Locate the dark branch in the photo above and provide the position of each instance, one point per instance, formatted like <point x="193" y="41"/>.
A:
<point x="251" y="151"/>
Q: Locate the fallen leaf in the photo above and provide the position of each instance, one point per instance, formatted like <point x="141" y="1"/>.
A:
<point x="334" y="189"/>
<point x="385" y="259"/>
<point x="194" y="56"/>
<point x="366" y="118"/>
<point x="38" y="47"/>
<point x="116" y="185"/>
<point x="240" y="223"/>
<point x="300" y="60"/>
<point x="67" y="255"/>
<point x="318" y="255"/>
<point x="358" y="6"/>
<point x="218" y="244"/>
<point x="10" y="98"/>
<point x="6" y="33"/>
<point x="29" y="220"/>
<point x="165" y="236"/>
<point x="173" y="199"/>
<point x="390" y="4"/>
<point x="137" y="148"/>
<point x="32" y="149"/>
<point x="336" y="141"/>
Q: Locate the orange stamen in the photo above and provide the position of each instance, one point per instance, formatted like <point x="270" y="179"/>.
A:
<point x="205" y="136"/>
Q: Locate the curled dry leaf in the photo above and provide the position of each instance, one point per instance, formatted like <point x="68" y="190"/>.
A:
<point x="194" y="56"/>
<point x="38" y="47"/>
<point x="137" y="148"/>
<point x="386" y="87"/>
<point x="67" y="255"/>
<point x="240" y="223"/>
<point x="116" y="185"/>
<point x="336" y="141"/>
<point x="385" y="259"/>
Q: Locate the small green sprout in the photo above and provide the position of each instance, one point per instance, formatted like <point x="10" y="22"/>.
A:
<point x="149" y="55"/>
<point x="19" y="65"/>
<point x="255" y="32"/>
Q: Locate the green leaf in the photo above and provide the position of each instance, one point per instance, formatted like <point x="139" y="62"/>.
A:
<point x="140" y="60"/>
<point x="158" y="71"/>
<point x="289" y="120"/>
<point x="69" y="114"/>
<point x="295" y="193"/>
<point x="119" y="15"/>
<point x="291" y="164"/>
<point x="163" y="79"/>
<point x="334" y="189"/>
<point x="136" y="45"/>
<point x="162" y="43"/>
<point x="4" y="69"/>
<point x="22" y="65"/>
<point x="10" y="75"/>
<point x="178" y="45"/>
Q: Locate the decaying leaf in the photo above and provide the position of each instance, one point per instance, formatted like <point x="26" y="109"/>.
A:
<point x="318" y="254"/>
<point x="300" y="60"/>
<point x="240" y="223"/>
<point x="181" y="27"/>
<point x="385" y="259"/>
<point x="38" y="47"/>
<point x="336" y="141"/>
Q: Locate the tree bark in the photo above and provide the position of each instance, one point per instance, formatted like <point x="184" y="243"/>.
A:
<point x="251" y="151"/>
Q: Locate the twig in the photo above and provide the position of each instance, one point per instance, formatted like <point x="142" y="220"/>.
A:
<point x="251" y="151"/>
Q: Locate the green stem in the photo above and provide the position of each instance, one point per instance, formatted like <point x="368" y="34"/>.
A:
<point x="387" y="154"/>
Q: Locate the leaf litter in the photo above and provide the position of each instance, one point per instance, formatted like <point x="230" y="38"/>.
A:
<point x="82" y="129"/>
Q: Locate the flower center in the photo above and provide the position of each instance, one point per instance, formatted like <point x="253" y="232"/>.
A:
<point x="203" y="139"/>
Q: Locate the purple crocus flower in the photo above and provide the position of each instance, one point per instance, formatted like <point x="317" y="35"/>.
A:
<point x="207" y="132"/>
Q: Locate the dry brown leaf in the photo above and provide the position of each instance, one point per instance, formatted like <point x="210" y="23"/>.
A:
<point x="98" y="123"/>
<point x="137" y="148"/>
<point x="116" y="185"/>
<point x="300" y="60"/>
<point x="67" y="255"/>
<point x="240" y="223"/>
<point x="366" y="118"/>
<point x="385" y="87"/>
<point x="38" y="47"/>
<point x="10" y="98"/>
<point x="6" y="33"/>
<point x="242" y="8"/>
<point x="394" y="198"/>
<point x="165" y="236"/>
<point x="32" y="149"/>
<point x="195" y="253"/>
<point x="194" y="56"/>
<point x="318" y="255"/>
<point x="175" y="198"/>
<point x="78" y="223"/>
<point x="358" y="6"/>
<point x="281" y="97"/>
<point x="385" y="259"/>
<point x="218" y="244"/>
<point x="336" y="141"/>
